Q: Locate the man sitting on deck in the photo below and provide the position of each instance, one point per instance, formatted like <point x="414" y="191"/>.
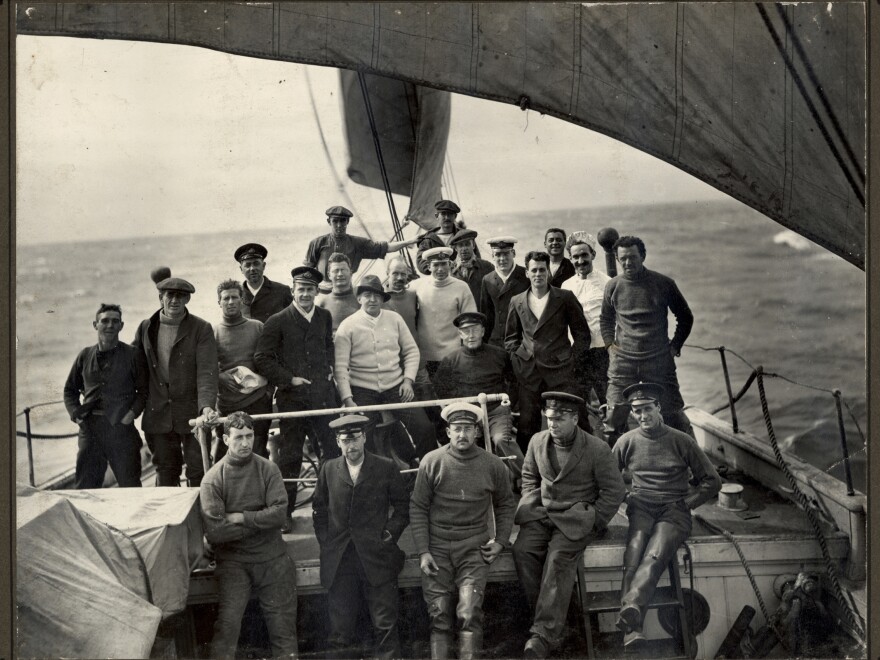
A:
<point x="244" y="506"/>
<point x="571" y="489"/>
<point x="455" y="487"/>
<point x="360" y="509"/>
<point x="658" y="459"/>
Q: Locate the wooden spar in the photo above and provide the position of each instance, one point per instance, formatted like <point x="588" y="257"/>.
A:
<point x="503" y="399"/>
<point x="202" y="435"/>
<point x="309" y="480"/>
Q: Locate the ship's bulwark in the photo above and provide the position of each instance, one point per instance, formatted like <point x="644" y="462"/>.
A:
<point x="765" y="102"/>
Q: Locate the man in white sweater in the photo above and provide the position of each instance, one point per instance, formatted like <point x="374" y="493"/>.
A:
<point x="377" y="360"/>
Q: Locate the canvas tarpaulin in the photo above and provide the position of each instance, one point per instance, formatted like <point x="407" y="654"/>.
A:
<point x="763" y="101"/>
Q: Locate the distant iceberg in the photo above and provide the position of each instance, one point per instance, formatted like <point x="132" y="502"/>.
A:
<point x="792" y="240"/>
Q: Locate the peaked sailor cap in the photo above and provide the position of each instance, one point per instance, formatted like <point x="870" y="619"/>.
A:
<point x="643" y="392"/>
<point x="250" y="251"/>
<point x="502" y="242"/>
<point x="348" y="425"/>
<point x="462" y="413"/>
<point x="561" y="401"/>
<point x="306" y="274"/>
<point x="437" y="253"/>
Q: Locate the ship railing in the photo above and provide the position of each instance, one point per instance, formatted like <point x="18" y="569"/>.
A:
<point x="30" y="436"/>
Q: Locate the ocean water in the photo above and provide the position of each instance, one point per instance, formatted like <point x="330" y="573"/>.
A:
<point x="754" y="287"/>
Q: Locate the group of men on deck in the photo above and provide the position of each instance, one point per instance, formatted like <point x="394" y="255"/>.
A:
<point x="552" y="332"/>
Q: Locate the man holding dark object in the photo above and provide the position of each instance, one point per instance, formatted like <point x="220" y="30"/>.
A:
<point x="360" y="509"/>
<point x="499" y="286"/>
<point x="261" y="297"/>
<point x="111" y="377"/>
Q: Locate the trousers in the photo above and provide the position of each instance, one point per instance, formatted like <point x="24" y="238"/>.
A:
<point x="414" y="419"/>
<point x="501" y="432"/>
<point x="170" y="451"/>
<point x="100" y="443"/>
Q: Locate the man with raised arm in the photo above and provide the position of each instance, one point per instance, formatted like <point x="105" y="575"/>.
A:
<point x="560" y="268"/>
<point x="499" y="286"/>
<point x="661" y="463"/>
<point x="360" y="509"/>
<point x="104" y="393"/>
<point x="537" y="338"/>
<point x="635" y="329"/>
<point x="571" y="489"/>
<point x="295" y="352"/>
<point x="181" y="356"/>
<point x="261" y="297"/>
<point x="244" y="505"/>
<point x="456" y="488"/>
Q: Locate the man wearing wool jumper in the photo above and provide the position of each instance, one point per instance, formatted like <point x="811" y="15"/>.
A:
<point x="341" y="300"/>
<point x="635" y="330"/>
<point x="660" y="462"/>
<point x="455" y="487"/>
<point x="571" y="489"/>
<point x="244" y="506"/>
<point x="360" y="509"/>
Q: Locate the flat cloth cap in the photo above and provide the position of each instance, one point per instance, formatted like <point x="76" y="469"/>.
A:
<point x="437" y="253"/>
<point x="465" y="319"/>
<point x="643" y="392"/>
<point x="348" y="425"/>
<point x="306" y="274"/>
<point x="466" y="235"/>
<point x="447" y="205"/>
<point x="462" y="413"/>
<point x="338" y="212"/>
<point x="502" y="242"/>
<point x="562" y="401"/>
<point x="175" y="284"/>
<point x="250" y="251"/>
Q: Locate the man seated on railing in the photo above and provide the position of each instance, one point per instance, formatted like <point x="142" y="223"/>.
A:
<point x="112" y="379"/>
<point x="456" y="488"/>
<point x="659" y="460"/>
<point x="571" y="489"/>
<point x="244" y="506"/>
<point x="377" y="360"/>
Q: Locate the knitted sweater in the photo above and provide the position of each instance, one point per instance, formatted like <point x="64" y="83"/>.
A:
<point x="467" y="372"/>
<point x="634" y="314"/>
<point x="374" y="352"/>
<point x="406" y="304"/>
<point x="440" y="301"/>
<point x="453" y="493"/>
<point x="255" y="488"/>
<point x="340" y="305"/>
<point x="658" y="462"/>
<point x="236" y="345"/>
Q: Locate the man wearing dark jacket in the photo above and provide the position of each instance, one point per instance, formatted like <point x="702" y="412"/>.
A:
<point x="261" y="297"/>
<point x="360" y="509"/>
<point x="499" y="286"/>
<point x="561" y="268"/>
<point x="446" y="211"/>
<point x="181" y="356"/>
<point x="295" y="352"/>
<point x="111" y="376"/>
<point x="467" y="266"/>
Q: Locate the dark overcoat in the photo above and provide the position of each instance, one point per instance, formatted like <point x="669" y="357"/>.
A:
<point x="565" y="271"/>
<point x="495" y="297"/>
<point x="270" y="299"/>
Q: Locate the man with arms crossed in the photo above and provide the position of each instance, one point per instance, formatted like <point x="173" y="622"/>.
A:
<point x="244" y="506"/>
<point x="571" y="489"/>
<point x="455" y="487"/>
<point x="660" y="462"/>
<point x="111" y="377"/>
<point x="360" y="509"/>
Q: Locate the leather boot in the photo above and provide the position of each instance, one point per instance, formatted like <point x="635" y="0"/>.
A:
<point x="468" y="645"/>
<point x="440" y="643"/>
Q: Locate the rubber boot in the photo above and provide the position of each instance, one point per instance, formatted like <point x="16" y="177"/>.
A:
<point x="468" y="646"/>
<point x="440" y="643"/>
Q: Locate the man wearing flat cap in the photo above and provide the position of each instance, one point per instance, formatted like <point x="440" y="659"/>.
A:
<point x="356" y="248"/>
<point x="571" y="489"/>
<point x="360" y="509"/>
<point x="661" y="463"/>
<point x="377" y="360"/>
<point x="446" y="211"/>
<point x="455" y="487"/>
<point x="295" y="353"/>
<point x="181" y="356"/>
<point x="261" y="297"/>
<point x="476" y="368"/>
<point x="467" y="266"/>
<point x="499" y="286"/>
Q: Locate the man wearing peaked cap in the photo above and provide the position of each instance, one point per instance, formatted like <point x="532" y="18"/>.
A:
<point x="360" y="498"/>
<point x="468" y="267"/>
<point x="447" y="230"/>
<point x="261" y="297"/>
<point x="455" y="486"/>
<point x="661" y="461"/>
<point x="181" y="356"/>
<point x="474" y="368"/>
<point x="571" y="489"/>
<point x="499" y="286"/>
<point x="356" y="248"/>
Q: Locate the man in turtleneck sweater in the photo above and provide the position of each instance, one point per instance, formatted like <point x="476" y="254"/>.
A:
<point x="480" y="368"/>
<point x="181" y="356"/>
<point x="341" y="302"/>
<point x="635" y="329"/>
<point x="571" y="489"/>
<point x="660" y="461"/>
<point x="244" y="506"/>
<point x="455" y="487"/>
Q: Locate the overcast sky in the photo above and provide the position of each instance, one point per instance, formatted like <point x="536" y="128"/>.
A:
<point x="123" y="138"/>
